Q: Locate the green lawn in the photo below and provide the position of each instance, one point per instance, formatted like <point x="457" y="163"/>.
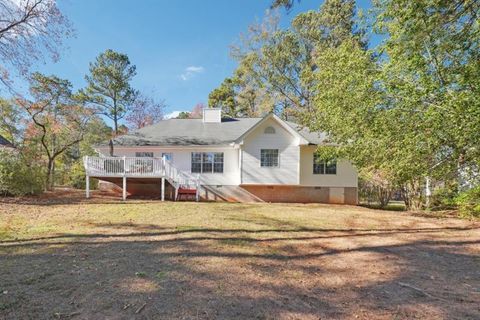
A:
<point x="67" y="257"/>
<point x="28" y="219"/>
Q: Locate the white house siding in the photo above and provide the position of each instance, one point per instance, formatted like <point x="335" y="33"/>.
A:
<point x="346" y="173"/>
<point x="289" y="156"/>
<point x="181" y="158"/>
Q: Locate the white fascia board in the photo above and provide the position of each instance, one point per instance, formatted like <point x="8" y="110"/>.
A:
<point x="227" y="146"/>
<point x="293" y="132"/>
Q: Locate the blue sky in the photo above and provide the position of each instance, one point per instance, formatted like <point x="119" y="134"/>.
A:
<point x="180" y="48"/>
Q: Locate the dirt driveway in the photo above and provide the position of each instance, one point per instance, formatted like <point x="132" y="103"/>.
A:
<point x="104" y="259"/>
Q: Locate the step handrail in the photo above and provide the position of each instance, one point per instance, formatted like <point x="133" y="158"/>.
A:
<point x="179" y="178"/>
<point x="141" y="167"/>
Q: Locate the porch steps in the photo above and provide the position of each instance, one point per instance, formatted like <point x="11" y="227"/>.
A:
<point x="186" y="194"/>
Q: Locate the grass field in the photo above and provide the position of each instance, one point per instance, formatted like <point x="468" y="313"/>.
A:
<point x="62" y="256"/>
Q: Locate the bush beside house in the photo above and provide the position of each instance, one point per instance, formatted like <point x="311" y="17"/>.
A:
<point x="468" y="203"/>
<point x="77" y="177"/>
<point x="18" y="177"/>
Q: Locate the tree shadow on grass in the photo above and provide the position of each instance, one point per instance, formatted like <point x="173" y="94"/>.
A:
<point x="152" y="230"/>
<point x="203" y="276"/>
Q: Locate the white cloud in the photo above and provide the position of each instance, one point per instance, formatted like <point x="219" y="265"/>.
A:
<point x="172" y="114"/>
<point x="191" y="71"/>
<point x="195" y="69"/>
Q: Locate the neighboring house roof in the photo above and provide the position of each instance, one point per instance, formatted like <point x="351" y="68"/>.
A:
<point x="195" y="132"/>
<point x="5" y="143"/>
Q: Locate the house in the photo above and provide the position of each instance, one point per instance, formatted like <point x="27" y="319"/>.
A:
<point x="228" y="159"/>
<point x="5" y="144"/>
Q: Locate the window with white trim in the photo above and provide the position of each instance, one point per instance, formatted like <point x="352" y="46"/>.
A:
<point x="146" y="163"/>
<point x="144" y="154"/>
<point x="322" y="166"/>
<point x="196" y="162"/>
<point x="207" y="162"/>
<point x="269" y="157"/>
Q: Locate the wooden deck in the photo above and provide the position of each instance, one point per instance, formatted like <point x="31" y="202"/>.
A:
<point x="139" y="167"/>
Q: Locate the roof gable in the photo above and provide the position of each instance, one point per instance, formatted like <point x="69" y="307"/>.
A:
<point x="195" y="132"/>
<point x="283" y="124"/>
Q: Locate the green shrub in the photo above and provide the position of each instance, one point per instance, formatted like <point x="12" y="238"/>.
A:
<point x="444" y="198"/>
<point x="19" y="177"/>
<point x="77" y="178"/>
<point x="375" y="189"/>
<point x="468" y="203"/>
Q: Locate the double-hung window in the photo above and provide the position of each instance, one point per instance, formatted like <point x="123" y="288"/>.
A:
<point x="196" y="162"/>
<point x="207" y="162"/>
<point x="144" y="154"/>
<point x="218" y="162"/>
<point x="269" y="157"/>
<point x="143" y="164"/>
<point x="321" y="166"/>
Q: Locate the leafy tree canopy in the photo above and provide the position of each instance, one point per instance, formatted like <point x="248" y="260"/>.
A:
<point x="109" y="88"/>
<point x="276" y="66"/>
<point x="57" y="121"/>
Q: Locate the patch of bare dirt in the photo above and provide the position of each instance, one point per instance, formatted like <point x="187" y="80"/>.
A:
<point x="62" y="196"/>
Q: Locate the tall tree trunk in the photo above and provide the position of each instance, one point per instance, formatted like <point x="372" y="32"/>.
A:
<point x="115" y="116"/>
<point x="50" y="171"/>
<point x="384" y="195"/>
<point x="52" y="180"/>
<point x="115" y="121"/>
<point x="412" y="195"/>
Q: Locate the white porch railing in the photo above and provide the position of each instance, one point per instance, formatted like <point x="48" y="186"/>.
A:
<point x="179" y="178"/>
<point x="140" y="167"/>
<point x="123" y="166"/>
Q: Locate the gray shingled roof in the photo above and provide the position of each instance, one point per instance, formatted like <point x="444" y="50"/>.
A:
<point x="4" y="142"/>
<point x="194" y="132"/>
<point x="311" y="137"/>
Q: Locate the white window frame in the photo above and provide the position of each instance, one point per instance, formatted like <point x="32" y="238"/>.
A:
<point x="323" y="163"/>
<point x="270" y="166"/>
<point x="144" y="154"/>
<point x="214" y="156"/>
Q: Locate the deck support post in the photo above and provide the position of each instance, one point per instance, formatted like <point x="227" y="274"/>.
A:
<point x="163" y="188"/>
<point x="124" y="189"/>
<point x="197" y="189"/>
<point x="176" y="193"/>
<point x="87" y="186"/>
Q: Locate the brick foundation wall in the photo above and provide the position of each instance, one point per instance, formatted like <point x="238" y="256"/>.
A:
<point x="301" y="194"/>
<point x="244" y="193"/>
